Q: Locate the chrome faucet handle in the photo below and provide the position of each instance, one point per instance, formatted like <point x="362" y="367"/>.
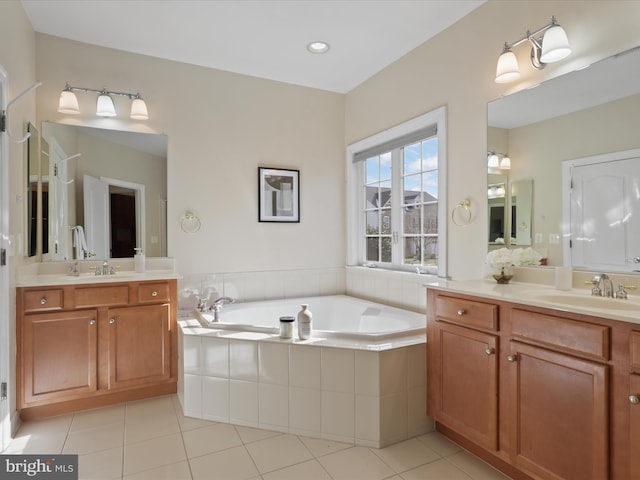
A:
<point x="202" y="304"/>
<point x="622" y="293"/>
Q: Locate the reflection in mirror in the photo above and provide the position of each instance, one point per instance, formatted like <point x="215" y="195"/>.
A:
<point x="33" y="169"/>
<point x="106" y="192"/>
<point x="521" y="196"/>
<point x="588" y="112"/>
<point x="496" y="193"/>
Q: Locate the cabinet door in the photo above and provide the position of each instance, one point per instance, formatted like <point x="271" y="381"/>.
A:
<point x="634" y="425"/>
<point x="463" y="382"/>
<point x="59" y="355"/>
<point x="559" y="414"/>
<point x="139" y="345"/>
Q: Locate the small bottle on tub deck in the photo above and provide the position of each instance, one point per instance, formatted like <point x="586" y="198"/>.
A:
<point x="286" y="327"/>
<point x="304" y="322"/>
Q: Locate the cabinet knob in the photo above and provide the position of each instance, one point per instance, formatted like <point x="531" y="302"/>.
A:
<point x="92" y="322"/>
<point x="461" y="312"/>
<point x="154" y="294"/>
<point x="512" y="358"/>
<point x="112" y="320"/>
<point x="490" y="351"/>
<point x="43" y="301"/>
<point x="634" y="399"/>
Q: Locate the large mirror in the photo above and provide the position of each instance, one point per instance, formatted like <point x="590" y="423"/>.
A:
<point x="104" y="193"/>
<point x="588" y="112"/>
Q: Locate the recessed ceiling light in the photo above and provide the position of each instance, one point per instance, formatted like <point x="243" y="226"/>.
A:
<point x="318" y="47"/>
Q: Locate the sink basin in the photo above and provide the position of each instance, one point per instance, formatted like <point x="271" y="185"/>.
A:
<point x="587" y="301"/>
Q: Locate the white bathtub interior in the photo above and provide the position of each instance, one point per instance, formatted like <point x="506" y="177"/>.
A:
<point x="333" y="316"/>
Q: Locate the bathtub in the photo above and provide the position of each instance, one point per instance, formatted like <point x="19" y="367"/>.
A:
<point x="336" y="316"/>
<point x="360" y="378"/>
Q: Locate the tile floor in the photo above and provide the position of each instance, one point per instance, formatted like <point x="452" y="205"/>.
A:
<point x="151" y="439"/>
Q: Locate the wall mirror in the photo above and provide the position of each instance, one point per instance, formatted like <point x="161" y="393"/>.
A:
<point x="104" y="193"/>
<point x="33" y="177"/>
<point x="591" y="111"/>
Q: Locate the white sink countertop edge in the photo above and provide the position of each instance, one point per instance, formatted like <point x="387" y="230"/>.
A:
<point x="525" y="293"/>
<point x="58" y="273"/>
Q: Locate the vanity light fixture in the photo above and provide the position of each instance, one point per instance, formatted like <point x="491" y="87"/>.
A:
<point x="494" y="160"/>
<point x="551" y="47"/>
<point x="104" y="105"/>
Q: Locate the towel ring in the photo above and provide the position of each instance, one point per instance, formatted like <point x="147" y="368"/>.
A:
<point x="463" y="209"/>
<point x="189" y="222"/>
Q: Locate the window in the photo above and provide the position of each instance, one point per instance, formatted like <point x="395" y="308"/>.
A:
<point x="396" y="197"/>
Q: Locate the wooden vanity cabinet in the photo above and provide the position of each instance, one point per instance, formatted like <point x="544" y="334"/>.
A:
<point x="464" y="390"/>
<point x="554" y="376"/>
<point x="62" y="358"/>
<point x="634" y="403"/>
<point x="88" y="345"/>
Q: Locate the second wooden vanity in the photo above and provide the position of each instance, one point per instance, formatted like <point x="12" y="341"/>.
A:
<point x="87" y="345"/>
<point x="538" y="392"/>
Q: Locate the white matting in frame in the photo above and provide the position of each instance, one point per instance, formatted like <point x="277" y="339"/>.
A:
<point x="279" y="195"/>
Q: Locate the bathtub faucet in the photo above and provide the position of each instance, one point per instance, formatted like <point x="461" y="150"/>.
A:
<point x="217" y="305"/>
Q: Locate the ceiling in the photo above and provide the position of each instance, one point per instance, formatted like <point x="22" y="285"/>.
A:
<point x="260" y="38"/>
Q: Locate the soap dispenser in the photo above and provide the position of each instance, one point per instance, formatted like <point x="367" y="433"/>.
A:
<point x="139" y="260"/>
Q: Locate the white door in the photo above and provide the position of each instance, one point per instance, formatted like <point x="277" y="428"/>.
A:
<point x="96" y="216"/>
<point x="59" y="191"/>
<point x="605" y="215"/>
<point x="5" y="411"/>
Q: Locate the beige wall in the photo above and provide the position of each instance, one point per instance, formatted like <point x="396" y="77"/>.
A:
<point x="457" y="68"/>
<point x="220" y="126"/>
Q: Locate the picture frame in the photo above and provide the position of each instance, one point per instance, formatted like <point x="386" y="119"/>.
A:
<point x="278" y="195"/>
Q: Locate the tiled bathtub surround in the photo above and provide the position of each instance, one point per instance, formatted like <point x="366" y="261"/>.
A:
<point x="370" y="398"/>
<point x="399" y="289"/>
<point x="253" y="286"/>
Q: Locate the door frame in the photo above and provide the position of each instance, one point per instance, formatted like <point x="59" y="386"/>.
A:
<point x="141" y="216"/>
<point x="5" y="343"/>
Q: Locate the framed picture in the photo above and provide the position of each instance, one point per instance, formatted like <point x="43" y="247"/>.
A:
<point x="279" y="195"/>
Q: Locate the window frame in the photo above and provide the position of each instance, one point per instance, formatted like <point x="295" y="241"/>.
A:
<point x="356" y="254"/>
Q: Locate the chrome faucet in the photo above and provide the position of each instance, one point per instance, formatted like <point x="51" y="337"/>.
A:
<point x="74" y="270"/>
<point x="217" y="305"/>
<point x="602" y="286"/>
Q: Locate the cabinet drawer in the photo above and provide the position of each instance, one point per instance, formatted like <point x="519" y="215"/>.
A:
<point x="97" y="296"/>
<point x="467" y="312"/>
<point x="561" y="333"/>
<point x="153" y="292"/>
<point x="42" y="300"/>
<point x="634" y="350"/>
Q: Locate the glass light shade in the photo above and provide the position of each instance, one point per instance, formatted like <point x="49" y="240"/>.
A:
<point x="555" y="45"/>
<point x="139" y="109"/>
<point x="507" y="69"/>
<point x="493" y="161"/>
<point x="105" y="106"/>
<point x="68" y="102"/>
<point x="505" y="163"/>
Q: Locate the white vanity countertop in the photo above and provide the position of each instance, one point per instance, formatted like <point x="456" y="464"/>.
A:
<point x="576" y="300"/>
<point x="57" y="273"/>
